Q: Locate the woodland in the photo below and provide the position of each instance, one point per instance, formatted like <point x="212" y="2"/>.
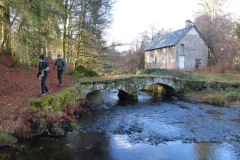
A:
<point x="77" y="29"/>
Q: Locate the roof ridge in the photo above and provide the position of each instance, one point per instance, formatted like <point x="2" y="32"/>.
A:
<point x="167" y="39"/>
<point x="175" y="31"/>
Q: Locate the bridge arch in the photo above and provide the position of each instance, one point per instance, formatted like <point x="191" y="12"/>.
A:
<point x="129" y="86"/>
<point x="168" y="90"/>
<point x="122" y="95"/>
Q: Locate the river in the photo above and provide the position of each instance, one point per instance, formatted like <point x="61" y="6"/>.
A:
<point x="151" y="128"/>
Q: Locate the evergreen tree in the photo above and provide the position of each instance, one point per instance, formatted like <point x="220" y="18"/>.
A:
<point x="74" y="27"/>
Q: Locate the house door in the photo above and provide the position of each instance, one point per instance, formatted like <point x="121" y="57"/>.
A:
<point x="181" y="62"/>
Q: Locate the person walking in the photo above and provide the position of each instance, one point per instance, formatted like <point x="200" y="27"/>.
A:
<point x="42" y="75"/>
<point x="61" y="66"/>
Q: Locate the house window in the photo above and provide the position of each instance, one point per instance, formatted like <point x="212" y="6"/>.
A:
<point x="182" y="48"/>
<point x="152" y="59"/>
<point x="197" y="62"/>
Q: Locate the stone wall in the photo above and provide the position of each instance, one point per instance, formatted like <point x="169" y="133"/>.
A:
<point x="164" y="58"/>
<point x="194" y="48"/>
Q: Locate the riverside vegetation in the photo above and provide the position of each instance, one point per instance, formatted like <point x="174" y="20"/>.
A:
<point x="216" y="89"/>
<point x="50" y="113"/>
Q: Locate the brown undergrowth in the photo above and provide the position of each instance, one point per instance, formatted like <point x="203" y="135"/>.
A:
<point x="17" y="87"/>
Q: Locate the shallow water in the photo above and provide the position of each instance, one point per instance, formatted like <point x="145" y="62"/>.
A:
<point x="152" y="128"/>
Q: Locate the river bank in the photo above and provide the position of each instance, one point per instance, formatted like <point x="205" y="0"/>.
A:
<point x="27" y="115"/>
<point x="152" y="127"/>
<point x="216" y="88"/>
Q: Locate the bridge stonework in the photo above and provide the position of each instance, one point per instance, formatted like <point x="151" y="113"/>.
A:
<point x="130" y="85"/>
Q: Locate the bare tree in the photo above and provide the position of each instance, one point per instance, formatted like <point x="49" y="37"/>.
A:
<point x="219" y="33"/>
<point x="133" y="59"/>
<point x="212" y="7"/>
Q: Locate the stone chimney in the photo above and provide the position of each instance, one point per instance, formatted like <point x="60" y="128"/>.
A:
<point x="188" y="24"/>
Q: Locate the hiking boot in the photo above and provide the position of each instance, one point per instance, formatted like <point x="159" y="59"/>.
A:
<point x="43" y="95"/>
<point x="49" y="92"/>
<point x="60" y="85"/>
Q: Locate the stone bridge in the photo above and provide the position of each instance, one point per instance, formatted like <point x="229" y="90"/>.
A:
<point x="129" y="86"/>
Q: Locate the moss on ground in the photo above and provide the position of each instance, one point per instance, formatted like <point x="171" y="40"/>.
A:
<point x="53" y="103"/>
<point x="7" y="139"/>
<point x="51" y="108"/>
<point x="31" y="110"/>
<point x="73" y="125"/>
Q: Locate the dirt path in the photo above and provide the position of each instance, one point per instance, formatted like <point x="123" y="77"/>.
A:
<point x="19" y="85"/>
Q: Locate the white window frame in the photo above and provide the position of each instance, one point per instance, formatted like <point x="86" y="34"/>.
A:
<point x="151" y="59"/>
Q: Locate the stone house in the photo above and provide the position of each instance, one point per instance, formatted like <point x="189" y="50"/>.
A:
<point x="182" y="49"/>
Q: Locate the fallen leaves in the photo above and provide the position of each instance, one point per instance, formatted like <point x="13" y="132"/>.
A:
<point x="19" y="85"/>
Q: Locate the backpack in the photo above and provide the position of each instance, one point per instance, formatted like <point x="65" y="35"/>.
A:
<point x="65" y="63"/>
<point x="49" y="65"/>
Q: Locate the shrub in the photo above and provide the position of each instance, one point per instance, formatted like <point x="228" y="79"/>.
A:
<point x="88" y="72"/>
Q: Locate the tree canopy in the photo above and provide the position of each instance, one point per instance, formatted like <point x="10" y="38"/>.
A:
<point x="74" y="28"/>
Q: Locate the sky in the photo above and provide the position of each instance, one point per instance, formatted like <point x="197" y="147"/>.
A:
<point x="132" y="17"/>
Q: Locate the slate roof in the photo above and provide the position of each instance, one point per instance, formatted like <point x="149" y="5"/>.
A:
<point x="167" y="40"/>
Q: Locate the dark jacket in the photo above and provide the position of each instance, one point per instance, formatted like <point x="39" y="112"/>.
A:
<point x="61" y="64"/>
<point x="42" y="65"/>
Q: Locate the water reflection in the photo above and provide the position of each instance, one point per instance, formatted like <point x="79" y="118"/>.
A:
<point x="103" y="98"/>
<point x="88" y="145"/>
<point x="173" y="150"/>
<point x="150" y="129"/>
<point x="43" y="148"/>
<point x="216" y="151"/>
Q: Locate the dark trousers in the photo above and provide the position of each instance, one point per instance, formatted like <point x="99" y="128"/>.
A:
<point x="43" y="83"/>
<point x="59" y="74"/>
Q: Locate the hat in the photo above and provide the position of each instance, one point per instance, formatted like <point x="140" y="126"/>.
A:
<point x="41" y="57"/>
<point x="59" y="55"/>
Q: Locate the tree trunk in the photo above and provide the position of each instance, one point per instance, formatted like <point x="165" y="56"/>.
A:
<point x="5" y="29"/>
<point x="65" y="17"/>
